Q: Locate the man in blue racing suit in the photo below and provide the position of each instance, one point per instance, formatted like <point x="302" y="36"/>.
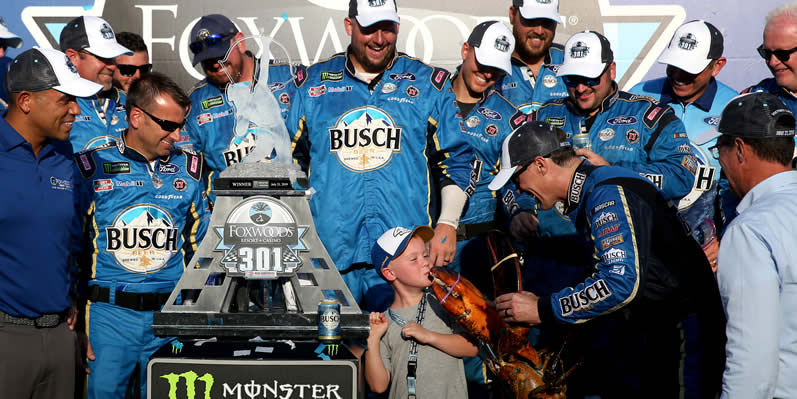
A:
<point x="146" y="211"/>
<point x="375" y="130"/>
<point x="91" y="45"/>
<point x="536" y="57"/>
<point x="210" y="126"/>
<point x="645" y="275"/>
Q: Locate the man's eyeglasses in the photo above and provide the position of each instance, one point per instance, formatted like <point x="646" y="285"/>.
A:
<point x="575" y="80"/>
<point x="782" y="55"/>
<point x="210" y="41"/>
<point x="211" y="65"/>
<point x="516" y="176"/>
<point x="168" y="126"/>
<point x="106" y="61"/>
<point x="715" y="151"/>
<point x="130" y="70"/>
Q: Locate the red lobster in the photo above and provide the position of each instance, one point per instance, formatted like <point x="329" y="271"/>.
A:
<point x="525" y="371"/>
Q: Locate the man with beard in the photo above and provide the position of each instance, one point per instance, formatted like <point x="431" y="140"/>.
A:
<point x="373" y="128"/>
<point x="91" y="45"/>
<point x="210" y="125"/>
<point x="536" y="58"/>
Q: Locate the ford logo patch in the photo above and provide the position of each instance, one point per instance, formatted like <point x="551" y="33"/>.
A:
<point x="168" y="168"/>
<point x="622" y="120"/>
<point x="490" y="114"/>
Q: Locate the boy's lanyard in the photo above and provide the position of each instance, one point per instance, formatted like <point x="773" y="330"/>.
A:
<point x="412" y="359"/>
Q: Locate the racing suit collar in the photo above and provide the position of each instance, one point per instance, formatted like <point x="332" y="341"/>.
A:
<point x="519" y="62"/>
<point x="353" y="73"/>
<point x="575" y="191"/>
<point x="131" y="153"/>
<point x="704" y="102"/>
<point x="605" y="105"/>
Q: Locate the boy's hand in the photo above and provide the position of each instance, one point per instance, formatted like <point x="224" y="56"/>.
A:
<point x="379" y="325"/>
<point x="414" y="330"/>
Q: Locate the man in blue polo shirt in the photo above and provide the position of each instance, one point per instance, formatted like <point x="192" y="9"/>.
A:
<point x="37" y="219"/>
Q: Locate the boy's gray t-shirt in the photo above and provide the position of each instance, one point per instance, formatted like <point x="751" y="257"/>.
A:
<point x="439" y="374"/>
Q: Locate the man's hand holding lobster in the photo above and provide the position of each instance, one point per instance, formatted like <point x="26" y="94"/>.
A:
<point x="518" y="307"/>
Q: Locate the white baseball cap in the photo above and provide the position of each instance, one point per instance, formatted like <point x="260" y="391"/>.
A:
<point x="92" y="34"/>
<point x="693" y="46"/>
<point x="586" y="54"/>
<point x="40" y="69"/>
<point x="11" y="39"/>
<point x="493" y="44"/>
<point x="393" y="242"/>
<point x="531" y="9"/>
<point x="369" y="12"/>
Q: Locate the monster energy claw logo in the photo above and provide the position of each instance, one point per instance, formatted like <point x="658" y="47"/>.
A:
<point x="579" y="50"/>
<point x="191" y="378"/>
<point x="502" y="44"/>
<point x="332" y="350"/>
<point x="687" y="42"/>
<point x="106" y="31"/>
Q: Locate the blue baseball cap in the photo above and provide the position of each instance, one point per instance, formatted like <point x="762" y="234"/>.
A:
<point x="393" y="242"/>
<point x="210" y="37"/>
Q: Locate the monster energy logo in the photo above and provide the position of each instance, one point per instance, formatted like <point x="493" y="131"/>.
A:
<point x="687" y="42"/>
<point x="190" y="384"/>
<point x="332" y="350"/>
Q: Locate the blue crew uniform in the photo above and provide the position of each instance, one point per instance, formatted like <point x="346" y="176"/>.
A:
<point x="101" y="120"/>
<point x="528" y="92"/>
<point x="144" y="223"/>
<point x="375" y="153"/>
<point x="211" y="123"/>
<point x="771" y="86"/>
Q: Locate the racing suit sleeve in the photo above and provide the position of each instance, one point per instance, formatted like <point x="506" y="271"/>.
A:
<point x="192" y="129"/>
<point x="670" y="169"/>
<point x="751" y="296"/>
<point x="198" y="216"/>
<point x="296" y="123"/>
<point x="620" y="224"/>
<point x="452" y="157"/>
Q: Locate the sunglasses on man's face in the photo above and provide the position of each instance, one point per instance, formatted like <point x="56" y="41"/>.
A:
<point x="210" y="41"/>
<point x="781" y="55"/>
<point x="211" y="65"/>
<point x="515" y="179"/>
<point x="130" y="70"/>
<point x="168" y="126"/>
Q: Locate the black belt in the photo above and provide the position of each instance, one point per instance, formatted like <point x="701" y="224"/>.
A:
<point x="43" y="321"/>
<point x="143" y="301"/>
<point x="468" y="231"/>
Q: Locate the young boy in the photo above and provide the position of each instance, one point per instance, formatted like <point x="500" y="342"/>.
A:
<point x="415" y="323"/>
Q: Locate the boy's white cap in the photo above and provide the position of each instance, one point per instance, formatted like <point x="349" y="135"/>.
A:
<point x="393" y="242"/>
<point x="493" y="43"/>
<point x="586" y="54"/>
<point x="693" y="46"/>
<point x="531" y="9"/>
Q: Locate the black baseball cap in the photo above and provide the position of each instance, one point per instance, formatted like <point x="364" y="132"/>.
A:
<point x="530" y="140"/>
<point x="42" y="69"/>
<point x="754" y="115"/>
<point x="92" y="34"/>
<point x="210" y="37"/>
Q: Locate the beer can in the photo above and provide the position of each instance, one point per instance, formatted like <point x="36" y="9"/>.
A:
<point x="582" y="140"/>
<point x="328" y="320"/>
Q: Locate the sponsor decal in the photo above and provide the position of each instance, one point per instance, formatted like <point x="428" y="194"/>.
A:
<point x="491" y="130"/>
<point x="620" y="147"/>
<point x="549" y="81"/>
<point x="652" y="114"/>
<point x="622" y="120"/>
<point x="168" y="196"/>
<point x="642" y="97"/>
<point x="60" y="184"/>
<point x="114" y="119"/>
<point x="603" y="205"/>
<point x="618" y="269"/>
<point x="317" y="91"/>
<point x="179" y="184"/>
<point x="685" y="149"/>
<point x="209" y="103"/>
<point x="556" y="122"/>
<point x="84" y="161"/>
<point x="82" y="118"/>
<point x="687" y="42"/>
<point x="439" y="77"/>
<point x="194" y="166"/>
<point x="502" y="44"/>
<point x="202" y="119"/>
<point x="704" y="177"/>
<point x="613" y="255"/>
<point x="115" y="168"/>
<point x="364" y="139"/>
<point x="331" y="76"/>
<point x="103" y="185"/>
<point x="131" y="183"/>
<point x="609" y="230"/>
<point x="183" y="139"/>
<point x="402" y="76"/>
<point x="340" y="89"/>
<point x="579" y="50"/>
<point x="590" y="295"/>
<point x="261" y="239"/>
<point x="611" y="241"/>
<point x="224" y="113"/>
<point x="284" y="98"/>
<point x="632" y="136"/>
<point x="575" y="187"/>
<point x="509" y="86"/>
<point x="681" y="135"/>
<point x="606" y="218"/>
<point x="489" y="113"/>
<point x="276" y="86"/>
<point x="413" y="91"/>
<point x="657" y="180"/>
<point x="712" y="120"/>
<point x="168" y="168"/>
<point x="389" y="87"/>
<point x="519" y="120"/>
<point x="473" y="121"/>
<point x="690" y="163"/>
<point x="142" y="238"/>
<point x="606" y="134"/>
<point x="106" y="32"/>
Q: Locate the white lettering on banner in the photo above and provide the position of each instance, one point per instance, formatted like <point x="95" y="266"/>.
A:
<point x="146" y="26"/>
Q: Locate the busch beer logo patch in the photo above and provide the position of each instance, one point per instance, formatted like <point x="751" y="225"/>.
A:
<point x="605" y="218"/>
<point x="613" y="255"/>
<point x="365" y="139"/>
<point x="590" y="295"/>
<point x="107" y="32"/>
<point x="261" y="239"/>
<point x="576" y="186"/>
<point x="142" y="238"/>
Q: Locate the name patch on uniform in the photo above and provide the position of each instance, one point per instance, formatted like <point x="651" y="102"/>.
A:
<point x="132" y="183"/>
<point x="115" y="168"/>
<point x="590" y="295"/>
<point x="209" y="103"/>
